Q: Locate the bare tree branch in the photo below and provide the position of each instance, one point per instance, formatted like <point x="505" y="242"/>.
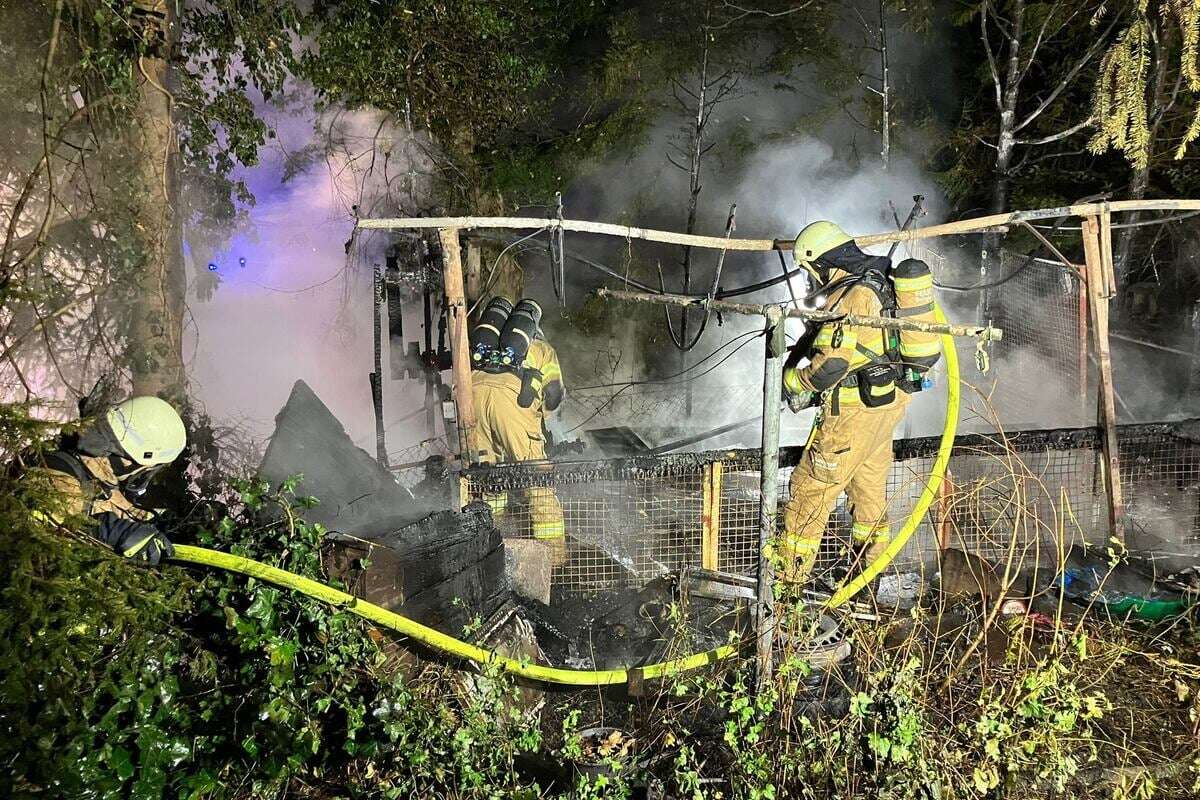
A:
<point x="1068" y="78"/>
<point x="1054" y="137"/>
<point x="1041" y="36"/>
<point x="755" y="12"/>
<point x="991" y="57"/>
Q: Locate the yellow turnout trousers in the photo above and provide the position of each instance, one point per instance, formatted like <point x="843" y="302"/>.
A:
<point x="506" y="432"/>
<point x="851" y="452"/>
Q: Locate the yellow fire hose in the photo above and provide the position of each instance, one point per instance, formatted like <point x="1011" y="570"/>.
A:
<point x="586" y="677"/>
<point x="932" y="484"/>
<point x="434" y="638"/>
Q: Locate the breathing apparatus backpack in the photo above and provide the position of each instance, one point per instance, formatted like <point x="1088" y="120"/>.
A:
<point x="906" y="292"/>
<point x="501" y="340"/>
<point x="919" y="350"/>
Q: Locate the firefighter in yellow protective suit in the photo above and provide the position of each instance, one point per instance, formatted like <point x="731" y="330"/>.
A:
<point x="510" y="406"/>
<point x="861" y="380"/>
<point x="102" y="471"/>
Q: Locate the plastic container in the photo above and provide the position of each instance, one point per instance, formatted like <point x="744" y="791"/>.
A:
<point x="1121" y="590"/>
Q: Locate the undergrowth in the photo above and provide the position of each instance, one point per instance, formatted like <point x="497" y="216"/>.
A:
<point x="123" y="681"/>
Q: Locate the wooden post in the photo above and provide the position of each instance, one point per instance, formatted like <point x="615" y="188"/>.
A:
<point x="460" y="348"/>
<point x="945" y="505"/>
<point x="1106" y="252"/>
<point x="377" y="376"/>
<point x="769" y="491"/>
<point x="1098" y="285"/>
<point x="1194" y="374"/>
<point x="710" y="520"/>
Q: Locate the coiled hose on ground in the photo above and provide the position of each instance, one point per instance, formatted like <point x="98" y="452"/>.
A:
<point x="586" y="677"/>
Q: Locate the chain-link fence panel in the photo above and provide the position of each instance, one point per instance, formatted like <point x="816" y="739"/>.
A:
<point x="1039" y="373"/>
<point x="1019" y="497"/>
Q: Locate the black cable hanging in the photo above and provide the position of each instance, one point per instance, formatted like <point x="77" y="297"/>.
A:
<point x="555" y="247"/>
<point x="1029" y="259"/>
<point x="677" y="339"/>
<point x="786" y="275"/>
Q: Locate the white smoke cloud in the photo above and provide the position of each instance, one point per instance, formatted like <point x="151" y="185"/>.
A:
<point x="298" y="307"/>
<point x="785" y="181"/>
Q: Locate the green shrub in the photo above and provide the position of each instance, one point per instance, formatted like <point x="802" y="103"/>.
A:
<point x="126" y="681"/>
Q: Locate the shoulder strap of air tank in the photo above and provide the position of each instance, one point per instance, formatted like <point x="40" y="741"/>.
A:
<point x="62" y="461"/>
<point x="70" y="464"/>
<point x="882" y="287"/>
<point x="528" y="375"/>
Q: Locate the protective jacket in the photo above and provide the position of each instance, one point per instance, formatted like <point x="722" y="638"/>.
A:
<point x="509" y="408"/>
<point x="851" y="446"/>
<point x="511" y="405"/>
<point x="89" y="486"/>
<point x="840" y="354"/>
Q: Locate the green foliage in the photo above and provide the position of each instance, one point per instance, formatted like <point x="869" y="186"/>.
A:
<point x="1126" y="120"/>
<point x="124" y="681"/>
<point x="1120" y="99"/>
<point x="90" y="662"/>
<point x="748" y="715"/>
<point x="92" y="167"/>
<point x="466" y="71"/>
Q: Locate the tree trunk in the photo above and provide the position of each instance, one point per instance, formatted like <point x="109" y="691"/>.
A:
<point x="155" y="338"/>
<point x="497" y="273"/>
<point x="1006" y="139"/>
<point x="1005" y="145"/>
<point x="694" y="187"/>
<point x="1126" y="237"/>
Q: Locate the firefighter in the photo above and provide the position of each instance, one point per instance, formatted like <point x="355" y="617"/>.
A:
<point x="104" y="469"/>
<point x="517" y="381"/>
<point x="861" y="378"/>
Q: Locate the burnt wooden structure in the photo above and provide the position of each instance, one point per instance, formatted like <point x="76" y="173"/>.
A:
<point x="442" y="571"/>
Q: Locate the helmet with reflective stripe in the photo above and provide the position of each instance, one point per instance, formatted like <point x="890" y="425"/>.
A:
<point x="148" y="429"/>
<point x="817" y="239"/>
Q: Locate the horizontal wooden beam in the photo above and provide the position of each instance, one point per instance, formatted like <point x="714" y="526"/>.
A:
<point x="979" y="224"/>
<point x="976" y="225"/>
<point x="574" y="226"/>
<point x="987" y="333"/>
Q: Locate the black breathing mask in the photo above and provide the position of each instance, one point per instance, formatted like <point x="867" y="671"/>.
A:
<point x="134" y="480"/>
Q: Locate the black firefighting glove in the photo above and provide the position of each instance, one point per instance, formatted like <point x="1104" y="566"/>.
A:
<point x="134" y="539"/>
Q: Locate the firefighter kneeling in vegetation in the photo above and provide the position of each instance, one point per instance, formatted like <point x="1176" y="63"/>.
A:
<point x="517" y="380"/>
<point x="862" y="378"/>
<point x="104" y="469"/>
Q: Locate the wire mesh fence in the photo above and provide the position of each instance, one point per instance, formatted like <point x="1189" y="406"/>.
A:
<point x="1043" y="357"/>
<point x="1019" y="496"/>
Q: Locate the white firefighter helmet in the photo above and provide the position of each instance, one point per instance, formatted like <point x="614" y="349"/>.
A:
<point x="817" y="239"/>
<point x="148" y="429"/>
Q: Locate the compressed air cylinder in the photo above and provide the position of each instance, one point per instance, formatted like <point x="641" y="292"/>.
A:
<point x="485" y="337"/>
<point x="914" y="301"/>
<point x="519" y="331"/>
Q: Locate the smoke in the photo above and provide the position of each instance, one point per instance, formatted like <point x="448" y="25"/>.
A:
<point x="785" y="177"/>
<point x="290" y="301"/>
<point x="300" y="308"/>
